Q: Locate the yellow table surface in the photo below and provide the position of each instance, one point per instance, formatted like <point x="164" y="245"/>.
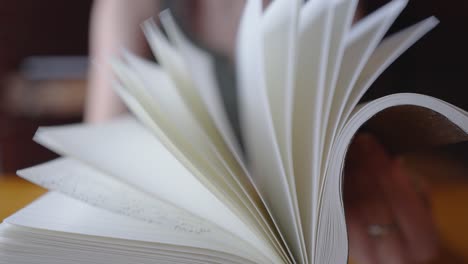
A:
<point x="15" y="193"/>
<point x="449" y="200"/>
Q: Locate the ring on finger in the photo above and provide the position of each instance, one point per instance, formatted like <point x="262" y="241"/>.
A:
<point x="380" y="230"/>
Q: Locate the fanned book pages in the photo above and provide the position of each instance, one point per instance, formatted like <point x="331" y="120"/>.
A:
<point x="173" y="184"/>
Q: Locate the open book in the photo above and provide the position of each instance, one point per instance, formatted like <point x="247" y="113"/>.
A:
<point x="174" y="185"/>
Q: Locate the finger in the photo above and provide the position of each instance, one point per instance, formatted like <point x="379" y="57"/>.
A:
<point x="371" y="205"/>
<point x="390" y="249"/>
<point x="361" y="247"/>
<point x="413" y="216"/>
<point x="389" y="246"/>
<point x="375" y="209"/>
<point x="411" y="213"/>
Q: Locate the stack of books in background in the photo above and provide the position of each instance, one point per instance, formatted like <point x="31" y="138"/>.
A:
<point x="45" y="90"/>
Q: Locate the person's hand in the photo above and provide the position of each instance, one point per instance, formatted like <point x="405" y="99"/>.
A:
<point x="388" y="218"/>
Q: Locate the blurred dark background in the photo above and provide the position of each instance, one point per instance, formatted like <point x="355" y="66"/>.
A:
<point x="37" y="90"/>
<point x="437" y="66"/>
<point x="37" y="28"/>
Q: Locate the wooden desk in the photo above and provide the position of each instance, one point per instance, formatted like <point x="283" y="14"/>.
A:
<point x="15" y="193"/>
<point x="449" y="200"/>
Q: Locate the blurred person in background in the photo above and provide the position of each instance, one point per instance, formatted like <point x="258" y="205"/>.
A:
<point x="388" y="217"/>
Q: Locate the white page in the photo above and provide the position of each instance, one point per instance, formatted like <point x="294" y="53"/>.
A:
<point x="171" y="114"/>
<point x="385" y="54"/>
<point x="159" y="92"/>
<point x="58" y="213"/>
<point x="130" y="153"/>
<point x="202" y="72"/>
<point x="81" y="182"/>
<point x="46" y="249"/>
<point x="176" y="66"/>
<point x="200" y="66"/>
<point x="333" y="215"/>
<point x="174" y="111"/>
<point x="262" y="150"/>
<point x="279" y="25"/>
<point x="172" y="62"/>
<point x="343" y="12"/>
<point x="361" y="42"/>
<point x="313" y="42"/>
<point x="168" y="110"/>
<point x="211" y="149"/>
